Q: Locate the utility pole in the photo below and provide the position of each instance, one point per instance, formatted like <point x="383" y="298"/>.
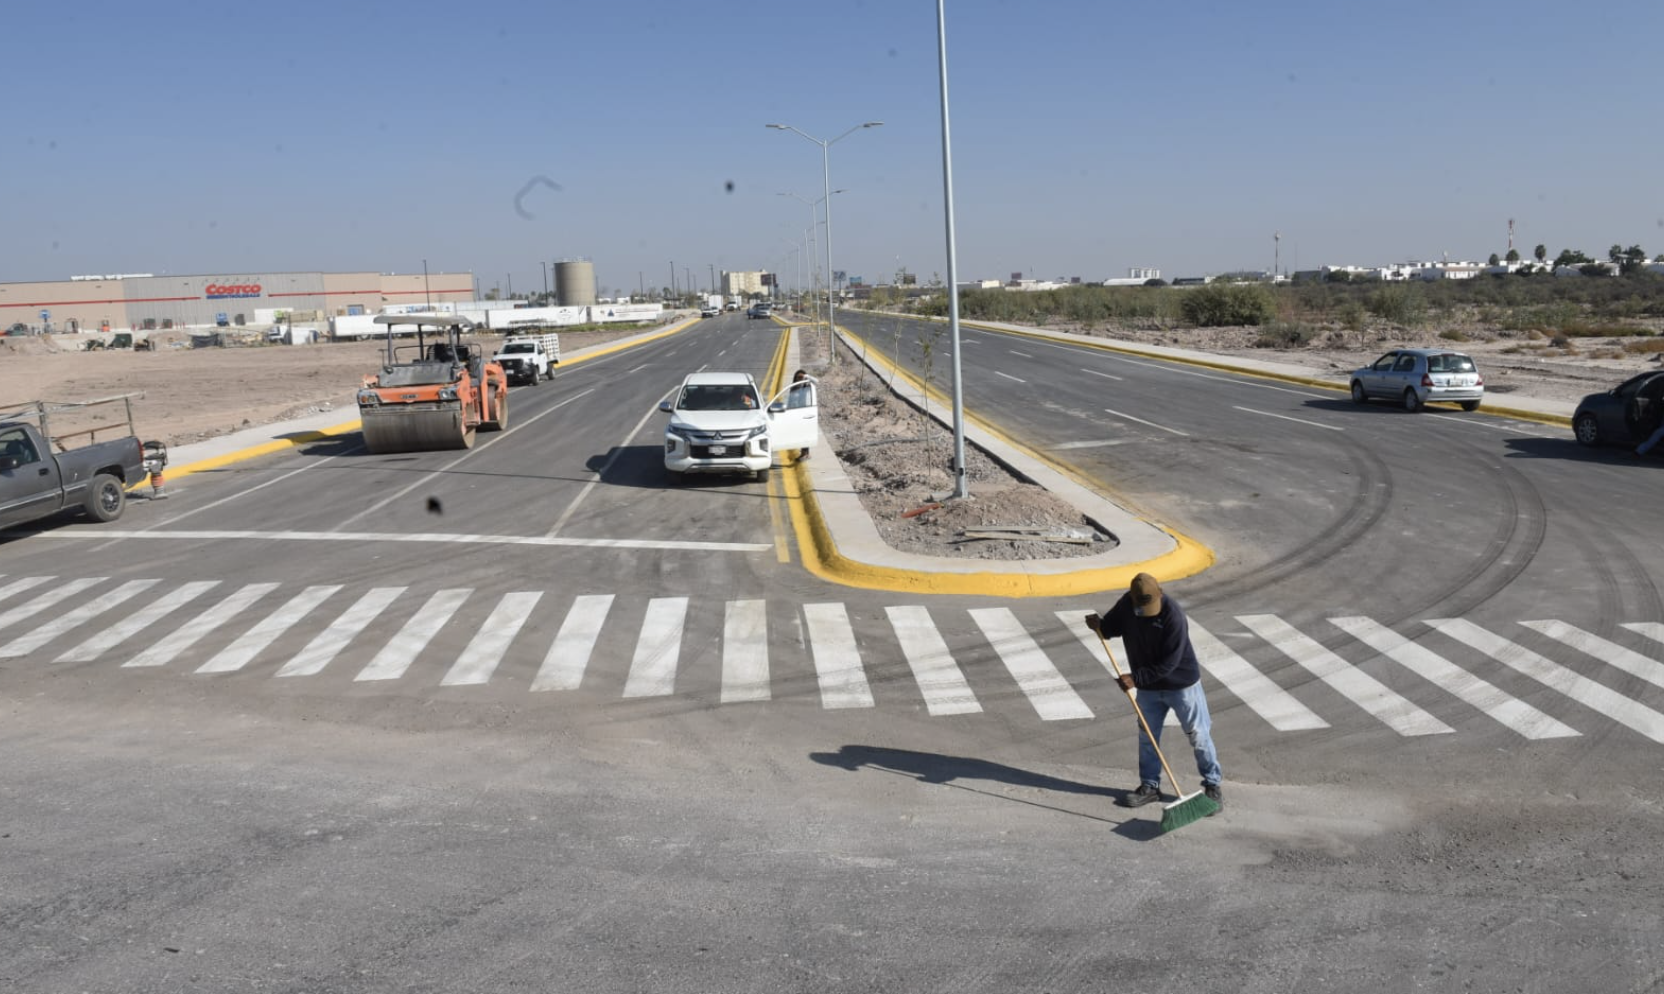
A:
<point x="545" y="266"/>
<point x="425" y="294"/>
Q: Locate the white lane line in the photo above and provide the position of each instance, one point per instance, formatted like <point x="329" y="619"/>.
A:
<point x="563" y="668"/>
<point x="970" y="341"/>
<point x="239" y="495"/>
<point x="25" y="644"/>
<point x="1393" y="710"/>
<point x="1098" y="444"/>
<point x="1050" y="694"/>
<point x="659" y="647"/>
<point x="1576" y="686"/>
<point x="1009" y="376"/>
<point x="427" y="479"/>
<point x="485" y="650"/>
<point x="745" y="652"/>
<point x="239" y="653"/>
<point x="329" y="642"/>
<point x="1025" y="355"/>
<point x="940" y="681"/>
<point x="1303" y="421"/>
<point x="1610" y="653"/>
<point x="843" y="684"/>
<point x="21" y="584"/>
<point x="1277" y="706"/>
<point x="197" y="628"/>
<point x="1651" y="629"/>
<point x="136" y="622"/>
<point x="1472" y="423"/>
<point x="1174" y="366"/>
<point x="401" y="650"/>
<point x="1440" y="672"/>
<point x="1150" y="424"/>
<point x="48" y="599"/>
<point x="439" y="537"/>
<point x="618" y="450"/>
<point x="1107" y="376"/>
<point x="638" y="369"/>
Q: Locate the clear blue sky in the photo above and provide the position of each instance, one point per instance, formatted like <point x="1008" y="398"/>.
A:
<point x="1088" y="136"/>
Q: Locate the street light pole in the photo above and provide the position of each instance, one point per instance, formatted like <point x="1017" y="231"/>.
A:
<point x="826" y="181"/>
<point x="953" y="264"/>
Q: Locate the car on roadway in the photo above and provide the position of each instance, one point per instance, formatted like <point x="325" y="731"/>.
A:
<point x="759" y="311"/>
<point x="1627" y="414"/>
<point x="709" y="311"/>
<point x="718" y="424"/>
<point x="1418" y="377"/>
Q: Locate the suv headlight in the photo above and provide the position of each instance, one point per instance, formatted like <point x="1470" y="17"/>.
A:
<point x="759" y="430"/>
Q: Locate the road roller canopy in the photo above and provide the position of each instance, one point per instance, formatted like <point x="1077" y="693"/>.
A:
<point x="426" y="320"/>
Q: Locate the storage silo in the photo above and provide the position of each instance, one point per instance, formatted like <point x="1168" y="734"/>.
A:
<point x="575" y="283"/>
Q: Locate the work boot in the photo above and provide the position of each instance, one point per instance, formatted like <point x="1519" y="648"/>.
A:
<point x="1142" y="796"/>
<point x="1216" y="796"/>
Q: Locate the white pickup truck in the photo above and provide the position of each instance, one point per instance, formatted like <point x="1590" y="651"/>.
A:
<point x="719" y="425"/>
<point x="529" y="358"/>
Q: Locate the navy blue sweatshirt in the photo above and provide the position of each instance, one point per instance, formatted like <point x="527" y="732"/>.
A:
<point x="1159" y="652"/>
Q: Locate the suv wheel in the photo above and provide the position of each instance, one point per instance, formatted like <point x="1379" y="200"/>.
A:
<point x="1587" y="429"/>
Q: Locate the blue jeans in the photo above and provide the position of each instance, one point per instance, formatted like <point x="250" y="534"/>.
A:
<point x="1191" y="707"/>
<point x="1646" y="447"/>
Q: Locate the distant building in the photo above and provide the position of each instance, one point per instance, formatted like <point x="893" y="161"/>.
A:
<point x="1136" y="276"/>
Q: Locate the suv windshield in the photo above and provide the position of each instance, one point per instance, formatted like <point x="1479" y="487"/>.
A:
<point x="718" y="397"/>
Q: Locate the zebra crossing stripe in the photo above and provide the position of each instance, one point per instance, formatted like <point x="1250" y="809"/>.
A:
<point x="563" y="668"/>
<point x="1051" y="695"/>
<point x="238" y="654"/>
<point x="135" y="623"/>
<point x="1395" y="711"/>
<point x="485" y="650"/>
<point x="1277" y="706"/>
<point x="1651" y="629"/>
<point x="653" y="670"/>
<point x="745" y="652"/>
<point x="198" y="628"/>
<point x="1074" y="622"/>
<point x="843" y="684"/>
<point x="1556" y="677"/>
<point x="402" y="649"/>
<point x="48" y="599"/>
<point x="1611" y="653"/>
<point x="21" y="584"/>
<point x="1435" y="669"/>
<point x="25" y="644"/>
<point x="937" y="675"/>
<point x="327" y="644"/>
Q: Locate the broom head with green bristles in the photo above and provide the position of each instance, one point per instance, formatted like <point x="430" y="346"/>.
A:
<point x="1193" y="807"/>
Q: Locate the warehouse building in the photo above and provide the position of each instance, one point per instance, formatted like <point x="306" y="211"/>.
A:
<point x="142" y="302"/>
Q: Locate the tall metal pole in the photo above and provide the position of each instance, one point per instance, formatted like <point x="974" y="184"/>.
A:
<point x="425" y="294"/>
<point x="953" y="263"/>
<point x="673" y="279"/>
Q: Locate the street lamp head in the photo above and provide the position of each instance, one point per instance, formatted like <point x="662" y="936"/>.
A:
<point x="873" y="124"/>
<point x="777" y="127"/>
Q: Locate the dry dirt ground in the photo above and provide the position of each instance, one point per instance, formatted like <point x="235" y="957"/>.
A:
<point x="898" y="461"/>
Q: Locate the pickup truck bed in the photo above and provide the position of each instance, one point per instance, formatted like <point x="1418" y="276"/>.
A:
<point x="38" y="482"/>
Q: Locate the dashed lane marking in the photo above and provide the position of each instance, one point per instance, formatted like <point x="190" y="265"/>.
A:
<point x="216" y="535"/>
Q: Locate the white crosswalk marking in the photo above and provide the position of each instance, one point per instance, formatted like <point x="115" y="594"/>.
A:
<point x="485" y="650"/>
<point x="1074" y="622"/>
<point x="137" y="622"/>
<point x="1372" y="695"/>
<point x="238" y="654"/>
<point x="25" y="644"/>
<point x="1051" y="695"/>
<point x="1651" y="629"/>
<point x="843" y="683"/>
<point x="327" y="644"/>
<point x="199" y="627"/>
<point x="745" y="652"/>
<point x="401" y="650"/>
<point x="1435" y="669"/>
<point x="21" y="584"/>
<point x="1556" y="677"/>
<point x="563" y="668"/>
<point x="1610" y="653"/>
<point x="940" y="681"/>
<point x="653" y="670"/>
<point x="51" y="597"/>
<point x="1253" y="688"/>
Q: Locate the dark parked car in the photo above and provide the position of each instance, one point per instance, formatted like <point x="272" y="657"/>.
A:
<point x="1417" y="377"/>
<point x="1623" y="415"/>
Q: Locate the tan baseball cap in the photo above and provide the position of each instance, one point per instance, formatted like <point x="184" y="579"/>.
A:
<point x="1146" y="595"/>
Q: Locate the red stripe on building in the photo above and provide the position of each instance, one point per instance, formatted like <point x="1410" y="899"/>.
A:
<point x="118" y="300"/>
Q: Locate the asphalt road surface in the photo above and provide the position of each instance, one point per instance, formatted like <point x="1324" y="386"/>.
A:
<point x="527" y="718"/>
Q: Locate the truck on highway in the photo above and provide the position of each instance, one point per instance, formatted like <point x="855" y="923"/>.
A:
<point x="529" y="358"/>
<point x="38" y="482"/>
<point x="712" y="305"/>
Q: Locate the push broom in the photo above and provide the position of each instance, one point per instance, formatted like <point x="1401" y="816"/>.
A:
<point x="1189" y="807"/>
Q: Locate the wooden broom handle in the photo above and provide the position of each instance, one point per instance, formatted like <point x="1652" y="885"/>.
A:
<point x="1140" y="713"/>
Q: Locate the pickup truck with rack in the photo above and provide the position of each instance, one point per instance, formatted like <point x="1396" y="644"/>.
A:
<point x="38" y="482"/>
<point x="528" y="358"/>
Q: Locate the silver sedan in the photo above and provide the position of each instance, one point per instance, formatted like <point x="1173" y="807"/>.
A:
<point x="1417" y="377"/>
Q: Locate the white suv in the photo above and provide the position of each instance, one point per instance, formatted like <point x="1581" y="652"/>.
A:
<point x="719" y="425"/>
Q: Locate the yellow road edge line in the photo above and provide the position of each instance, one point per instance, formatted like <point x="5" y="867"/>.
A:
<point x="777" y="370"/>
<point x="1224" y="367"/>
<point x="345" y="428"/>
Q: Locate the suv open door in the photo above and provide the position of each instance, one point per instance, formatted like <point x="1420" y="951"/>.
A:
<point x="794" y="417"/>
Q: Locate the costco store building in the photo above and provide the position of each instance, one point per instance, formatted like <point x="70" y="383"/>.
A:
<point x="142" y="303"/>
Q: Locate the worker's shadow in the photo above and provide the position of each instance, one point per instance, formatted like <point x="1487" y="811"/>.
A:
<point x="961" y="772"/>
